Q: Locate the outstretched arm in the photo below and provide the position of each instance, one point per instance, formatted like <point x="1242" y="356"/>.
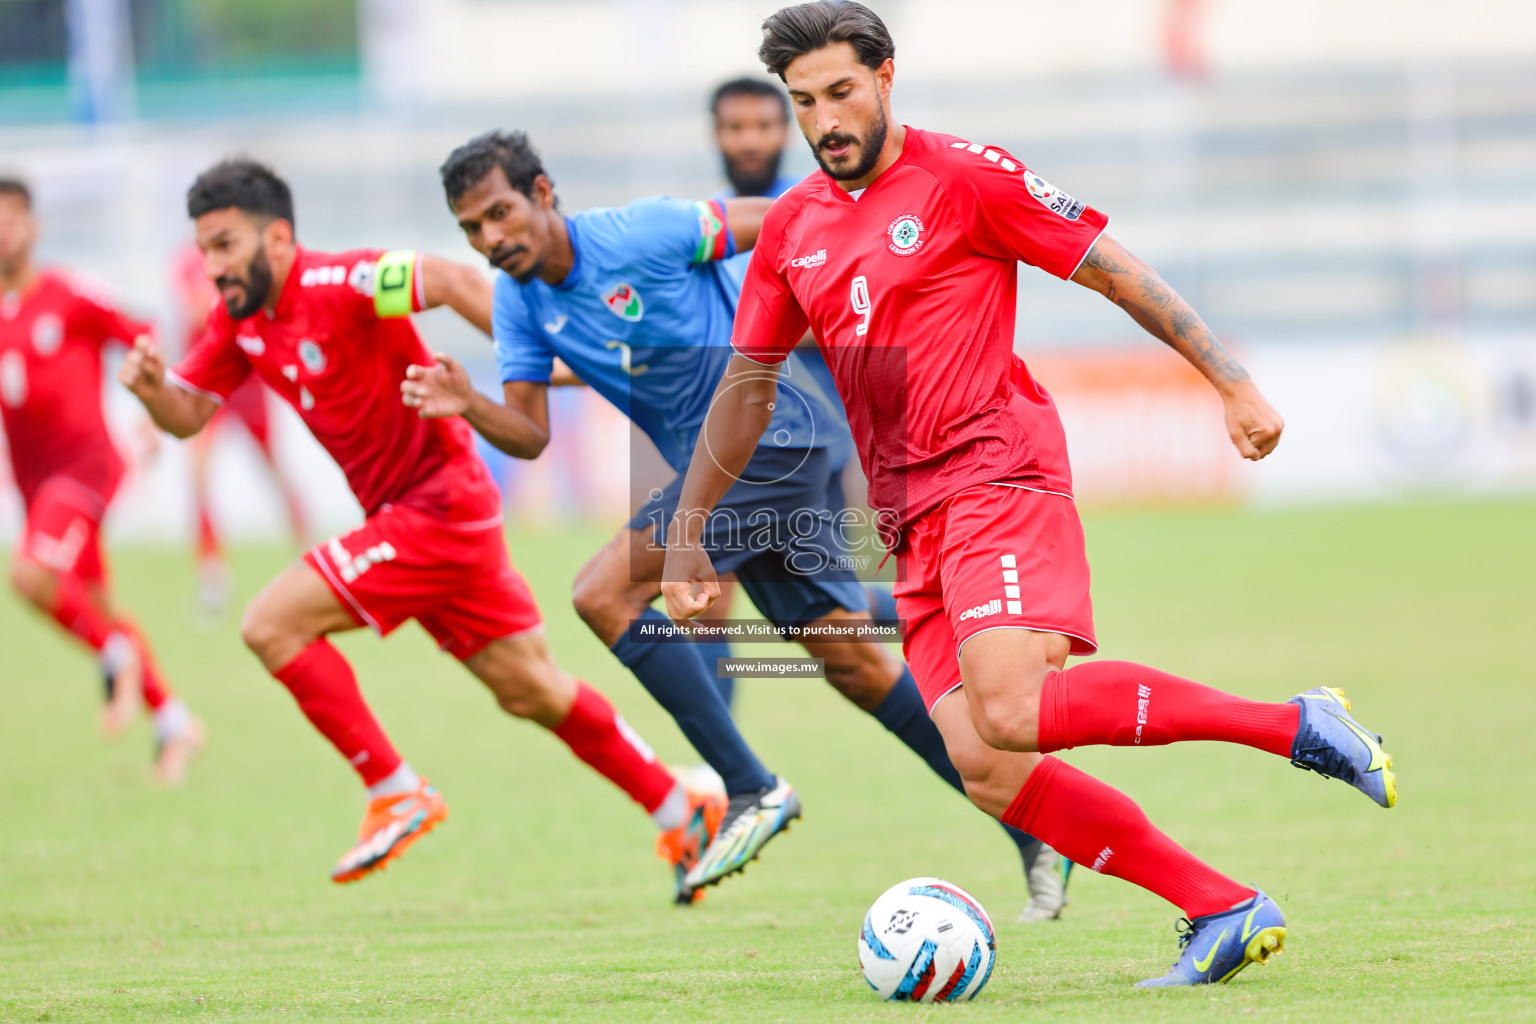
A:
<point x="745" y="219"/>
<point x="1252" y="423"/>
<point x="520" y="427"/>
<point x="175" y="410"/>
<point x="461" y="288"/>
<point x="738" y="414"/>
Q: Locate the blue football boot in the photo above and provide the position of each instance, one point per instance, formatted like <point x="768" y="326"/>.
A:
<point x="1217" y="946"/>
<point x="1336" y="746"/>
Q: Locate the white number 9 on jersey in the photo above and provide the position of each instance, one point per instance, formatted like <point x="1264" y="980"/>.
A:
<point x="859" y="295"/>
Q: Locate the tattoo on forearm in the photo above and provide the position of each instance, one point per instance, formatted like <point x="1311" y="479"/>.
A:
<point x="1164" y="315"/>
<point x="1099" y="261"/>
<point x="1153" y="290"/>
<point x="1185" y="332"/>
<point x="1183" y="321"/>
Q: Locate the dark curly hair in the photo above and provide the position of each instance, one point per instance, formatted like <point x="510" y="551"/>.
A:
<point x="795" y="31"/>
<point x="245" y="185"/>
<point x="468" y="165"/>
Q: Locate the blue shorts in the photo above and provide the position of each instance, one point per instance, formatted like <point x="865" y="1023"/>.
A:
<point x="776" y="530"/>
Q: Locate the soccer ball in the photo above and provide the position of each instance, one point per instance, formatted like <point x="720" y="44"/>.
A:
<point x="926" y="940"/>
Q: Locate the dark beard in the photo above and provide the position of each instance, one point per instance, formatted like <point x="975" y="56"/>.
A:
<point x="870" y="151"/>
<point x="257" y="284"/>
<point x="753" y="183"/>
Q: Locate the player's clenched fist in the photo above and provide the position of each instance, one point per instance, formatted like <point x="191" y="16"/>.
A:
<point x="143" y="371"/>
<point x="1253" y="424"/>
<point x="437" y="391"/>
<point x="686" y="567"/>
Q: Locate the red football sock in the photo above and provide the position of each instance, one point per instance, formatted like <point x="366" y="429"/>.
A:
<point x="326" y="688"/>
<point x="1097" y="826"/>
<point x="1123" y="704"/>
<point x="597" y="735"/>
<point x="208" y="547"/>
<point x="156" y="690"/>
<point x="76" y="610"/>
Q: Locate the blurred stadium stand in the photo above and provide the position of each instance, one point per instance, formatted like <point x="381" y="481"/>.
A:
<point x="1342" y="188"/>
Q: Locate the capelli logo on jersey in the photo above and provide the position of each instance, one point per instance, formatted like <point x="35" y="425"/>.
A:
<point x="815" y="259"/>
<point x="905" y="234"/>
<point x="981" y="611"/>
<point x="251" y="344"/>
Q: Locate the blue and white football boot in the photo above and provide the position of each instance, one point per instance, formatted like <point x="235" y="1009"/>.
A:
<point x="1217" y="946"/>
<point x="1334" y="745"/>
<point x="751" y="819"/>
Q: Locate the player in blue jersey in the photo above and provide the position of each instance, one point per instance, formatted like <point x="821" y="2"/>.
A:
<point x="633" y="301"/>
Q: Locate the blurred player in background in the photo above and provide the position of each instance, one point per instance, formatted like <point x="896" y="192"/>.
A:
<point x="246" y="405"/>
<point x="331" y="335"/>
<point x="913" y="299"/>
<point x="751" y="129"/>
<point x="52" y="331"/>
<point x="649" y="273"/>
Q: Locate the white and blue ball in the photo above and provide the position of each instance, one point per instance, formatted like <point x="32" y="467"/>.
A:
<point x="926" y="941"/>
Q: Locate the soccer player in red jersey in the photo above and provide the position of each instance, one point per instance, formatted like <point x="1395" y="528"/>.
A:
<point x="52" y="330"/>
<point x="247" y="405"/>
<point x="902" y="256"/>
<point x="330" y="334"/>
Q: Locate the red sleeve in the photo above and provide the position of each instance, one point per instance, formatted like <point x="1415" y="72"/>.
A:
<point x="769" y="320"/>
<point x="1010" y="212"/>
<point x="215" y="365"/>
<point x="99" y="316"/>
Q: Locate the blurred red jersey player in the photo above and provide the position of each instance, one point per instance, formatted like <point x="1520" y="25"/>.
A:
<point x="247" y="405"/>
<point x="330" y="334"/>
<point x="52" y="330"/>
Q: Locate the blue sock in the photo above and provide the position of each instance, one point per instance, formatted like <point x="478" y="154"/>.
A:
<point x="882" y="603"/>
<point x="674" y="674"/>
<point x="712" y="651"/>
<point x="903" y="713"/>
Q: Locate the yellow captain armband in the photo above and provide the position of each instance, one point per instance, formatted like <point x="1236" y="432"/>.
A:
<point x="394" y="284"/>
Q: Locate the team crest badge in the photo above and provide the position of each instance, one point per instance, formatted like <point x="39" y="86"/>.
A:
<point x="47" y="334"/>
<point x="906" y="234"/>
<point x="624" y="302"/>
<point x="311" y="356"/>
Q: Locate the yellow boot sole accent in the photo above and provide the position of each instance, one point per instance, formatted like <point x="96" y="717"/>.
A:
<point x="1389" y="778"/>
<point x="1267" y="943"/>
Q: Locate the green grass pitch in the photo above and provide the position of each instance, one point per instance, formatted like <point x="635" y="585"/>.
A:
<point x="541" y="899"/>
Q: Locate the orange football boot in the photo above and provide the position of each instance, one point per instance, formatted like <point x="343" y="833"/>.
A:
<point x="682" y="846"/>
<point x="391" y="824"/>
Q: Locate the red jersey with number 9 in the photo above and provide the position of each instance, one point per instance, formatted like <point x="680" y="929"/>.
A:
<point x="909" y="288"/>
<point x="326" y="350"/>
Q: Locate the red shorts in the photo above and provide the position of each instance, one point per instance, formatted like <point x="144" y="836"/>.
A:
<point x="63" y="530"/>
<point x="453" y="578"/>
<point x="248" y="404"/>
<point x="993" y="556"/>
